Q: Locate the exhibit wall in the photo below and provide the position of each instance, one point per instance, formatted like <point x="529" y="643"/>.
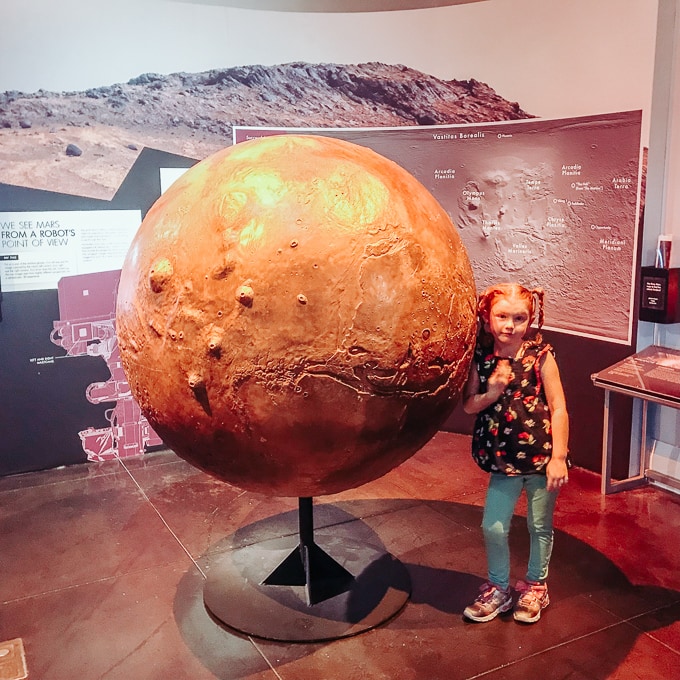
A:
<point x="663" y="217"/>
<point x="101" y="102"/>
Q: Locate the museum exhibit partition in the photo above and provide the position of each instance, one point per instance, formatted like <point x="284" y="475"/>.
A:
<point x="60" y="355"/>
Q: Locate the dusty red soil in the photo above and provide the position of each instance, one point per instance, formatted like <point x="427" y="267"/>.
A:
<point x="192" y="115"/>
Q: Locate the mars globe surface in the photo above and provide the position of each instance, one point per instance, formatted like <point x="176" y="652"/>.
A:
<point x="296" y="315"/>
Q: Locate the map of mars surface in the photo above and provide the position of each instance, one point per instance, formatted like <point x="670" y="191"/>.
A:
<point x="548" y="203"/>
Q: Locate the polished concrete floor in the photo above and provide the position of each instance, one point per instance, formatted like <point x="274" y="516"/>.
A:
<point x="102" y="568"/>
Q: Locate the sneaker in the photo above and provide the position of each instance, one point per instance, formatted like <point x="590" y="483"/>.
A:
<point x="532" y="601"/>
<point x="490" y="602"/>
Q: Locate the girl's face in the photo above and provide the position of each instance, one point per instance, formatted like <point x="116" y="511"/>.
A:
<point x="508" y="321"/>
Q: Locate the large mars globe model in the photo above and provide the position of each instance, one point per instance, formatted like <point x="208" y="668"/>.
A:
<point x="296" y="315"/>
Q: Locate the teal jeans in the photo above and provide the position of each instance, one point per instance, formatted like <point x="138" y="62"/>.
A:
<point x="501" y="498"/>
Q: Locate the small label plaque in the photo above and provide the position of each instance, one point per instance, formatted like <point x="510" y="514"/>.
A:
<point x="654" y="293"/>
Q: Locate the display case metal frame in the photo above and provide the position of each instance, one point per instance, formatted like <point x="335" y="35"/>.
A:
<point x="646" y="391"/>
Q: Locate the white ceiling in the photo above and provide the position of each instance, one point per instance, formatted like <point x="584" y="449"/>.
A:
<point x="331" y="5"/>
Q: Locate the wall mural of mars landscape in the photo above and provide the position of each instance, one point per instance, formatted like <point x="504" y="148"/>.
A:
<point x="84" y="143"/>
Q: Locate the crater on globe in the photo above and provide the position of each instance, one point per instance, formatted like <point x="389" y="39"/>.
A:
<point x="296" y="315"/>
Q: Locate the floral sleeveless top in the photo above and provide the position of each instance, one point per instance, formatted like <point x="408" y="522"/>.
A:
<point x="513" y="436"/>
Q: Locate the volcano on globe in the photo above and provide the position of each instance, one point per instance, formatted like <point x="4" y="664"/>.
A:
<point x="296" y="315"/>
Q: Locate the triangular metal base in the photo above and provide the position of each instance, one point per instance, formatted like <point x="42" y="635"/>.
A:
<point x="309" y="565"/>
<point x="313" y="568"/>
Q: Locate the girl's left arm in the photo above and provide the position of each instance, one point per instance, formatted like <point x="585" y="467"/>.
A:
<point x="559" y="419"/>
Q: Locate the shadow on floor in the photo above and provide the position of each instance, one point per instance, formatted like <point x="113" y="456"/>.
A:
<point x="589" y="592"/>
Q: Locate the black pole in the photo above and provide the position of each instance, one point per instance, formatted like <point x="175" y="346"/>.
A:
<point x="306" y="521"/>
<point x="308" y="565"/>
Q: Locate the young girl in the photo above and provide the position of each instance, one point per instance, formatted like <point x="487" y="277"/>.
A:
<point x="520" y="437"/>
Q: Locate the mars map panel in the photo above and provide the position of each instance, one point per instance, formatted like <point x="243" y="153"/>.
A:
<point x="549" y="203"/>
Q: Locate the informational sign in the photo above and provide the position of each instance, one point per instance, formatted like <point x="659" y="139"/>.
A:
<point x="549" y="203"/>
<point x="654" y="373"/>
<point x="37" y="249"/>
<point x="654" y="292"/>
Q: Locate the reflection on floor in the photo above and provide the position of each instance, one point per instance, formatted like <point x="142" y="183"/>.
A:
<point x="103" y="567"/>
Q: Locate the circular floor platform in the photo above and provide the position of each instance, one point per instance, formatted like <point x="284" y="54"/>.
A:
<point x="236" y="595"/>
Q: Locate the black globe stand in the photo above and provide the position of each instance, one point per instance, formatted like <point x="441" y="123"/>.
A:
<point x="310" y="566"/>
<point x="279" y="590"/>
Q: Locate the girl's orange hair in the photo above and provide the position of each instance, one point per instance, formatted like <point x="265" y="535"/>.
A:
<point x="533" y="297"/>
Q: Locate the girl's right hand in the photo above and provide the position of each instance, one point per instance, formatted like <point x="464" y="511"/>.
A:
<point x="475" y="400"/>
<point x="500" y="378"/>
